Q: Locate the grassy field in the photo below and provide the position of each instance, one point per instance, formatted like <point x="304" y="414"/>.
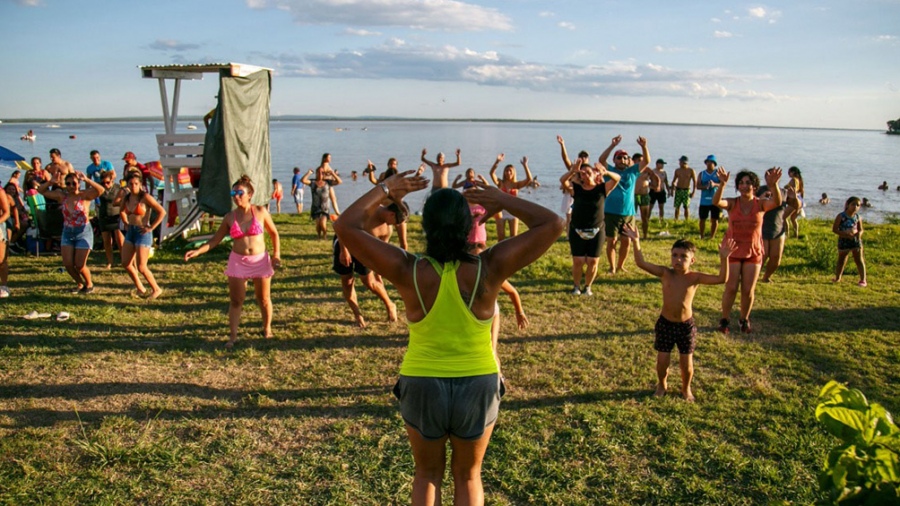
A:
<point x="138" y="402"/>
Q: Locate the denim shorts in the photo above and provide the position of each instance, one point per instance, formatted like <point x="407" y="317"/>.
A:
<point x="78" y="237"/>
<point x="134" y="236"/>
<point x="463" y="407"/>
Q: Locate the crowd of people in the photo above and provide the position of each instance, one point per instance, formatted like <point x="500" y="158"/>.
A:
<point x="450" y="379"/>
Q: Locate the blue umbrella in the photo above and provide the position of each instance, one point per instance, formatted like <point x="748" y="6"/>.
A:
<point x="8" y="157"/>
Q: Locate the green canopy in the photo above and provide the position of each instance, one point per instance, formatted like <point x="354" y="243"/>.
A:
<point x="237" y="142"/>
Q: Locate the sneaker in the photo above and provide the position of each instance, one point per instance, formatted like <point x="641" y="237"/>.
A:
<point x="87" y="290"/>
<point x="588" y="292"/>
<point x="723" y="325"/>
<point x="745" y="326"/>
<point x="4" y="292"/>
<point x="861" y="283"/>
<point x="576" y="291"/>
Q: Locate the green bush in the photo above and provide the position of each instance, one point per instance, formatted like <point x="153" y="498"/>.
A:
<point x="865" y="467"/>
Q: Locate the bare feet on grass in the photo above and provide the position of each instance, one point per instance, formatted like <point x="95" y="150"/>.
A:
<point x="660" y="390"/>
<point x="688" y="395"/>
<point x="155" y="294"/>
<point x="360" y="321"/>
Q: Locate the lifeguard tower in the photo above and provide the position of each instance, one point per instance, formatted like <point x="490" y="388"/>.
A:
<point x="199" y="168"/>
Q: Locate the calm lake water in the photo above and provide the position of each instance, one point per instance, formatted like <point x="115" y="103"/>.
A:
<point x="838" y="162"/>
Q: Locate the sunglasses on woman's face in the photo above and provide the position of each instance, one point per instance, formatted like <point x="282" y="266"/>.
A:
<point x="71" y="183"/>
<point x="237" y="193"/>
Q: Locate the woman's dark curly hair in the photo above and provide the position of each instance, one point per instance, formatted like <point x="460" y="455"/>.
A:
<point x="447" y="221"/>
<point x="754" y="179"/>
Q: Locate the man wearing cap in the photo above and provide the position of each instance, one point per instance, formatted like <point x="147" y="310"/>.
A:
<point x="684" y="182"/>
<point x="98" y="166"/>
<point x="132" y="165"/>
<point x="619" y="207"/>
<point x="659" y="187"/>
<point x="57" y="166"/>
<point x="708" y="181"/>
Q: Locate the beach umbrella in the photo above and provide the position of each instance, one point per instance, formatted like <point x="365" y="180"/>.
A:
<point x="9" y="157"/>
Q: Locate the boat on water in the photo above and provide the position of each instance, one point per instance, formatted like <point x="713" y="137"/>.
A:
<point x="52" y="125"/>
<point x="191" y="126"/>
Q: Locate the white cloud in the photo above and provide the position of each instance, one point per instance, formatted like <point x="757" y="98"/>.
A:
<point x="886" y="38"/>
<point x="722" y="34"/>
<point x="716" y="20"/>
<point x="360" y="32"/>
<point x="547" y="14"/>
<point x="30" y="3"/>
<point x="397" y="59"/>
<point x="757" y="12"/>
<point x="761" y="13"/>
<point x="663" y="49"/>
<point x="432" y="15"/>
<point x="566" y="25"/>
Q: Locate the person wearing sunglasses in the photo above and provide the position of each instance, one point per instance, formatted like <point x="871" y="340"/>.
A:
<point x="249" y="258"/>
<point x="77" y="235"/>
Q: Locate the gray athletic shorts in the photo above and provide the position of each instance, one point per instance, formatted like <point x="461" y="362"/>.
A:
<point x="463" y="407"/>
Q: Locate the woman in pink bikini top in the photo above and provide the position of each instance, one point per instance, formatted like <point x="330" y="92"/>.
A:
<point x="249" y="258"/>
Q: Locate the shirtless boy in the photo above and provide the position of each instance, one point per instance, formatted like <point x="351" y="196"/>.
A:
<point x="684" y="182"/>
<point x="439" y="170"/>
<point x="675" y="326"/>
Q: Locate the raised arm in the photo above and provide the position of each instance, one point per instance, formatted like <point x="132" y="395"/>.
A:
<point x="457" y="162"/>
<point x="604" y="156"/>
<point x="335" y="178"/>
<point x="645" y="162"/>
<point x="563" y="153"/>
<point x="727" y="247"/>
<point x="305" y="179"/>
<point x="632" y="233"/>
<point x="723" y="182"/>
<point x="772" y="177"/>
<point x="566" y="179"/>
<point x="94" y="190"/>
<point x="493" y="172"/>
<point x="44" y="189"/>
<point x="456" y="183"/>
<point x="426" y="161"/>
<point x="370" y="171"/>
<point x="528" y="177"/>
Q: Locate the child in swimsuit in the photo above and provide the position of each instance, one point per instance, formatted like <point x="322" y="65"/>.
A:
<point x="848" y="226"/>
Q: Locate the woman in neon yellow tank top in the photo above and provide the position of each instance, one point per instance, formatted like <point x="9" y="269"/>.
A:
<point x="449" y="384"/>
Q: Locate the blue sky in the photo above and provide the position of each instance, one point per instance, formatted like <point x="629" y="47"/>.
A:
<point x="799" y="63"/>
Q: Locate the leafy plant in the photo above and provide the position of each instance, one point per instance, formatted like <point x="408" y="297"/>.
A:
<point x="865" y="467"/>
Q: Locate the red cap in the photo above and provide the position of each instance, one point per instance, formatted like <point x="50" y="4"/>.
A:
<point x="128" y="154"/>
<point x="620" y="152"/>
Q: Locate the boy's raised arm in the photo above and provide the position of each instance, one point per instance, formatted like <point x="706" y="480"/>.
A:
<point x="727" y="247"/>
<point x="632" y="233"/>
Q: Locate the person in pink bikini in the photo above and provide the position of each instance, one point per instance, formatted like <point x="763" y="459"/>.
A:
<point x="249" y="258"/>
<point x="745" y="221"/>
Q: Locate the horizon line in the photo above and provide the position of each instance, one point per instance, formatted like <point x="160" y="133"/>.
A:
<point x="302" y="117"/>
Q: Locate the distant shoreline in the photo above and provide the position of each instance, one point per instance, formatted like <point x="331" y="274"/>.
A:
<point x="297" y="118"/>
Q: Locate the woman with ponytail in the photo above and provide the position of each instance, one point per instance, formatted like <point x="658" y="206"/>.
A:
<point x="450" y="382"/>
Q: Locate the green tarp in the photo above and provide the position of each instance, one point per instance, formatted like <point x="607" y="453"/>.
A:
<point x="237" y="143"/>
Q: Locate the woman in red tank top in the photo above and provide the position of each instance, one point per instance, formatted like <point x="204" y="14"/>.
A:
<point x="745" y="218"/>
